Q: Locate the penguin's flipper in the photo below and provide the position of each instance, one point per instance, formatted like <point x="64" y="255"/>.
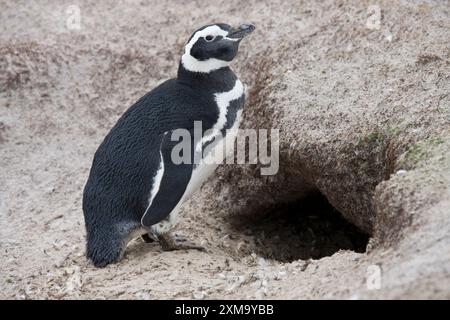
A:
<point x="147" y="239"/>
<point x="173" y="184"/>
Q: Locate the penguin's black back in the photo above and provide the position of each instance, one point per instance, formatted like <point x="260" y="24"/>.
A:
<point x="126" y="161"/>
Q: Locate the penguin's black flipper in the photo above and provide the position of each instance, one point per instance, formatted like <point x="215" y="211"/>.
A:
<point x="174" y="182"/>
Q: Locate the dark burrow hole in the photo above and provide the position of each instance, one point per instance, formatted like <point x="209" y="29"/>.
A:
<point x="304" y="229"/>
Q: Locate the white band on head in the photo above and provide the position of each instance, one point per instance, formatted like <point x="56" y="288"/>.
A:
<point x="194" y="65"/>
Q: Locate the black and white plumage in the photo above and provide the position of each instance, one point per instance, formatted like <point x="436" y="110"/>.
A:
<point x="134" y="188"/>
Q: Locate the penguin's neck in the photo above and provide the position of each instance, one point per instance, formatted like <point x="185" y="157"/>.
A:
<point x="219" y="80"/>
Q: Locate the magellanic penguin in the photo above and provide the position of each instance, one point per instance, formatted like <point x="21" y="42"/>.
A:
<point x="134" y="188"/>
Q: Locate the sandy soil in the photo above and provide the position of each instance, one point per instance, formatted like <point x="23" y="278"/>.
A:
<point x="364" y="115"/>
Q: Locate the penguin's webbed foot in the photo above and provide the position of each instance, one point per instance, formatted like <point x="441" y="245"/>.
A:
<point x="170" y="242"/>
<point x="147" y="238"/>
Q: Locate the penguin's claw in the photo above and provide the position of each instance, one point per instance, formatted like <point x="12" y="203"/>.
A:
<point x="147" y="238"/>
<point x="171" y="242"/>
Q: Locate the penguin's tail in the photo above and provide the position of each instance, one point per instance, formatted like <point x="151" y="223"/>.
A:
<point x="105" y="246"/>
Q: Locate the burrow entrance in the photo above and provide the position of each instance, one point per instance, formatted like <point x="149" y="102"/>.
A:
<point x="303" y="229"/>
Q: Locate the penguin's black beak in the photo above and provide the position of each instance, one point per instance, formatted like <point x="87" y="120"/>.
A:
<point x="241" y="31"/>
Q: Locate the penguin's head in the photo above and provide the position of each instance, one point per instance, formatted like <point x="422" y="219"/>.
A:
<point x="213" y="46"/>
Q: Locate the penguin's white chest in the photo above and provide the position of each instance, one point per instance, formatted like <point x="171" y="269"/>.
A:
<point x="223" y="145"/>
<point x="213" y="158"/>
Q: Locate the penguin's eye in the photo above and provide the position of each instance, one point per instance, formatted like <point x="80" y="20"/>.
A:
<point x="209" y="38"/>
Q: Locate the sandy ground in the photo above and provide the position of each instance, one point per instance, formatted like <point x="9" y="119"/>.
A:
<point x="61" y="90"/>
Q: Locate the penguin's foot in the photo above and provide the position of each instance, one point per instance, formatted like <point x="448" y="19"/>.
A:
<point x="147" y="239"/>
<point x="170" y="242"/>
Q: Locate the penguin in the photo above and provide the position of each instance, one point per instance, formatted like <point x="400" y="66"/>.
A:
<point x="134" y="187"/>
